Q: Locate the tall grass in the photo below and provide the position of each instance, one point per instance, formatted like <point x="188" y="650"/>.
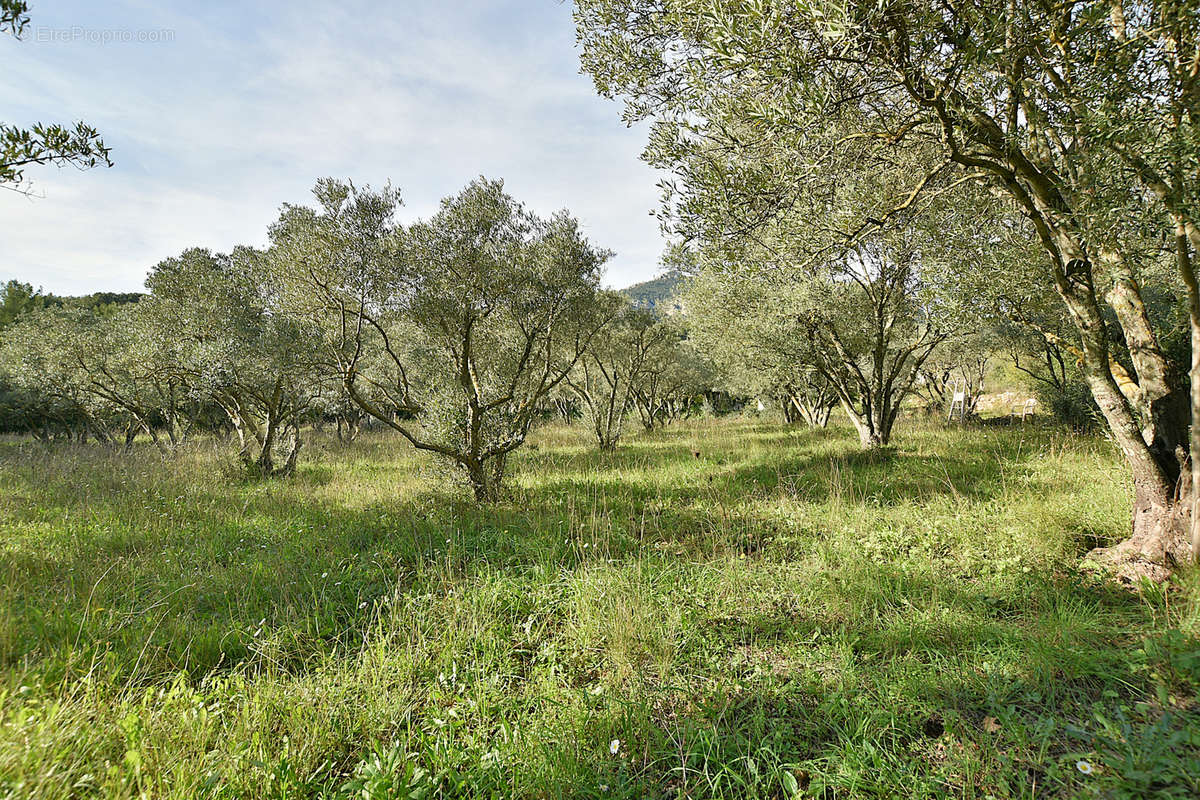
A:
<point x="738" y="609"/>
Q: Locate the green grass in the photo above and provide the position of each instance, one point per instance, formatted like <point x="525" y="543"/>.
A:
<point x="778" y="616"/>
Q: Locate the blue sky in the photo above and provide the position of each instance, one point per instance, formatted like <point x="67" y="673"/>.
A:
<point x="239" y="107"/>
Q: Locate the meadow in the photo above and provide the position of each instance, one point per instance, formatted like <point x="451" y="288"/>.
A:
<point x="723" y="609"/>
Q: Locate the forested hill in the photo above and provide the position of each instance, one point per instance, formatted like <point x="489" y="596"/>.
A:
<point x="16" y="298"/>
<point x="658" y="294"/>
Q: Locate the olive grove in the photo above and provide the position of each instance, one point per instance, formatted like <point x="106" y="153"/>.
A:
<point x="453" y="331"/>
<point x="1079" y="116"/>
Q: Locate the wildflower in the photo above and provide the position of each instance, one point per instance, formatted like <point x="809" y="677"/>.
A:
<point x="1085" y="767"/>
<point x="324" y="575"/>
<point x="614" y="746"/>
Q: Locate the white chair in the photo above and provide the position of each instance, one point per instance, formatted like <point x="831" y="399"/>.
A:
<point x="958" y="399"/>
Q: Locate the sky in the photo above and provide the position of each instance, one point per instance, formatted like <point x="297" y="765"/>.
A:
<point x="217" y="113"/>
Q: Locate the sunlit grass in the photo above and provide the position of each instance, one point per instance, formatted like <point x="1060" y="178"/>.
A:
<point x="749" y="609"/>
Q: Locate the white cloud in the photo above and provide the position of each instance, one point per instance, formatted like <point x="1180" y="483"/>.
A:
<point x="213" y="131"/>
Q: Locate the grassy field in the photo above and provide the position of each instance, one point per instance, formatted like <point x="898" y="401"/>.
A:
<point x="724" y="609"/>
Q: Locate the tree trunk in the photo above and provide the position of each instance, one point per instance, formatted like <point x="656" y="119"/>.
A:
<point x="1158" y="541"/>
<point x="867" y="436"/>
<point x="289" y="466"/>
<point x="1165" y="531"/>
<point x="821" y="418"/>
<point x="882" y="419"/>
<point x="348" y="427"/>
<point x="785" y="403"/>
<point x="485" y="482"/>
<point x="1194" y="435"/>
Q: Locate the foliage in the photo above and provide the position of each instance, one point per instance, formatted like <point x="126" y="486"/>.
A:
<point x="961" y="362"/>
<point x="465" y="321"/>
<point x="863" y="313"/>
<point x="79" y="145"/>
<point x="17" y="298"/>
<point x="676" y="378"/>
<point x="611" y="369"/>
<point x="1069" y="402"/>
<point x="215" y="321"/>
<point x="636" y="361"/>
<point x="757" y="348"/>
<point x="1074" y="116"/>
<point x="14" y="15"/>
<point x="73" y="373"/>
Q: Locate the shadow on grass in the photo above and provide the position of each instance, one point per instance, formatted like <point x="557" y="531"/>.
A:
<point x="856" y="682"/>
<point x="163" y="576"/>
<point x="1000" y="697"/>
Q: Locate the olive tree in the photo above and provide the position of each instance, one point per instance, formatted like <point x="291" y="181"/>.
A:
<point x="104" y="368"/>
<point x="960" y="362"/>
<point x="122" y="363"/>
<point x="229" y="343"/>
<point x="755" y="350"/>
<point x="675" y="379"/>
<point x="453" y="330"/>
<point x="1080" y="114"/>
<point x="863" y="310"/>
<point x="616" y="366"/>
<point x="45" y="353"/>
<point x="862" y="324"/>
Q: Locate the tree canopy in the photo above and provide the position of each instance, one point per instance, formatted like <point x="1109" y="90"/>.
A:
<point x="1079" y="116"/>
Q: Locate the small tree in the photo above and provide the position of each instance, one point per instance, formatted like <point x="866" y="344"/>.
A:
<point x="615" y="367"/>
<point x="229" y="343"/>
<point x="46" y="353"/>
<point x="755" y="351"/>
<point x="451" y="331"/>
<point x="962" y="361"/>
<point x="675" y="378"/>
<point x="860" y="325"/>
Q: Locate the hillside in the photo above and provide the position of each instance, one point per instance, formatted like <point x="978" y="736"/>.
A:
<point x="658" y="294"/>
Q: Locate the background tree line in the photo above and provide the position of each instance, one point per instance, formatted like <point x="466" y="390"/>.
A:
<point x="458" y="332"/>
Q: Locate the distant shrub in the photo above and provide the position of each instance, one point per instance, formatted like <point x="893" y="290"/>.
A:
<point x="1071" y="405"/>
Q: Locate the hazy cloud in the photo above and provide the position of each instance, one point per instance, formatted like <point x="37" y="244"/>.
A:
<point x="244" y="106"/>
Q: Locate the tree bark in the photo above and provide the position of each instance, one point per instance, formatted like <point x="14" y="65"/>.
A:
<point x="485" y="482"/>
